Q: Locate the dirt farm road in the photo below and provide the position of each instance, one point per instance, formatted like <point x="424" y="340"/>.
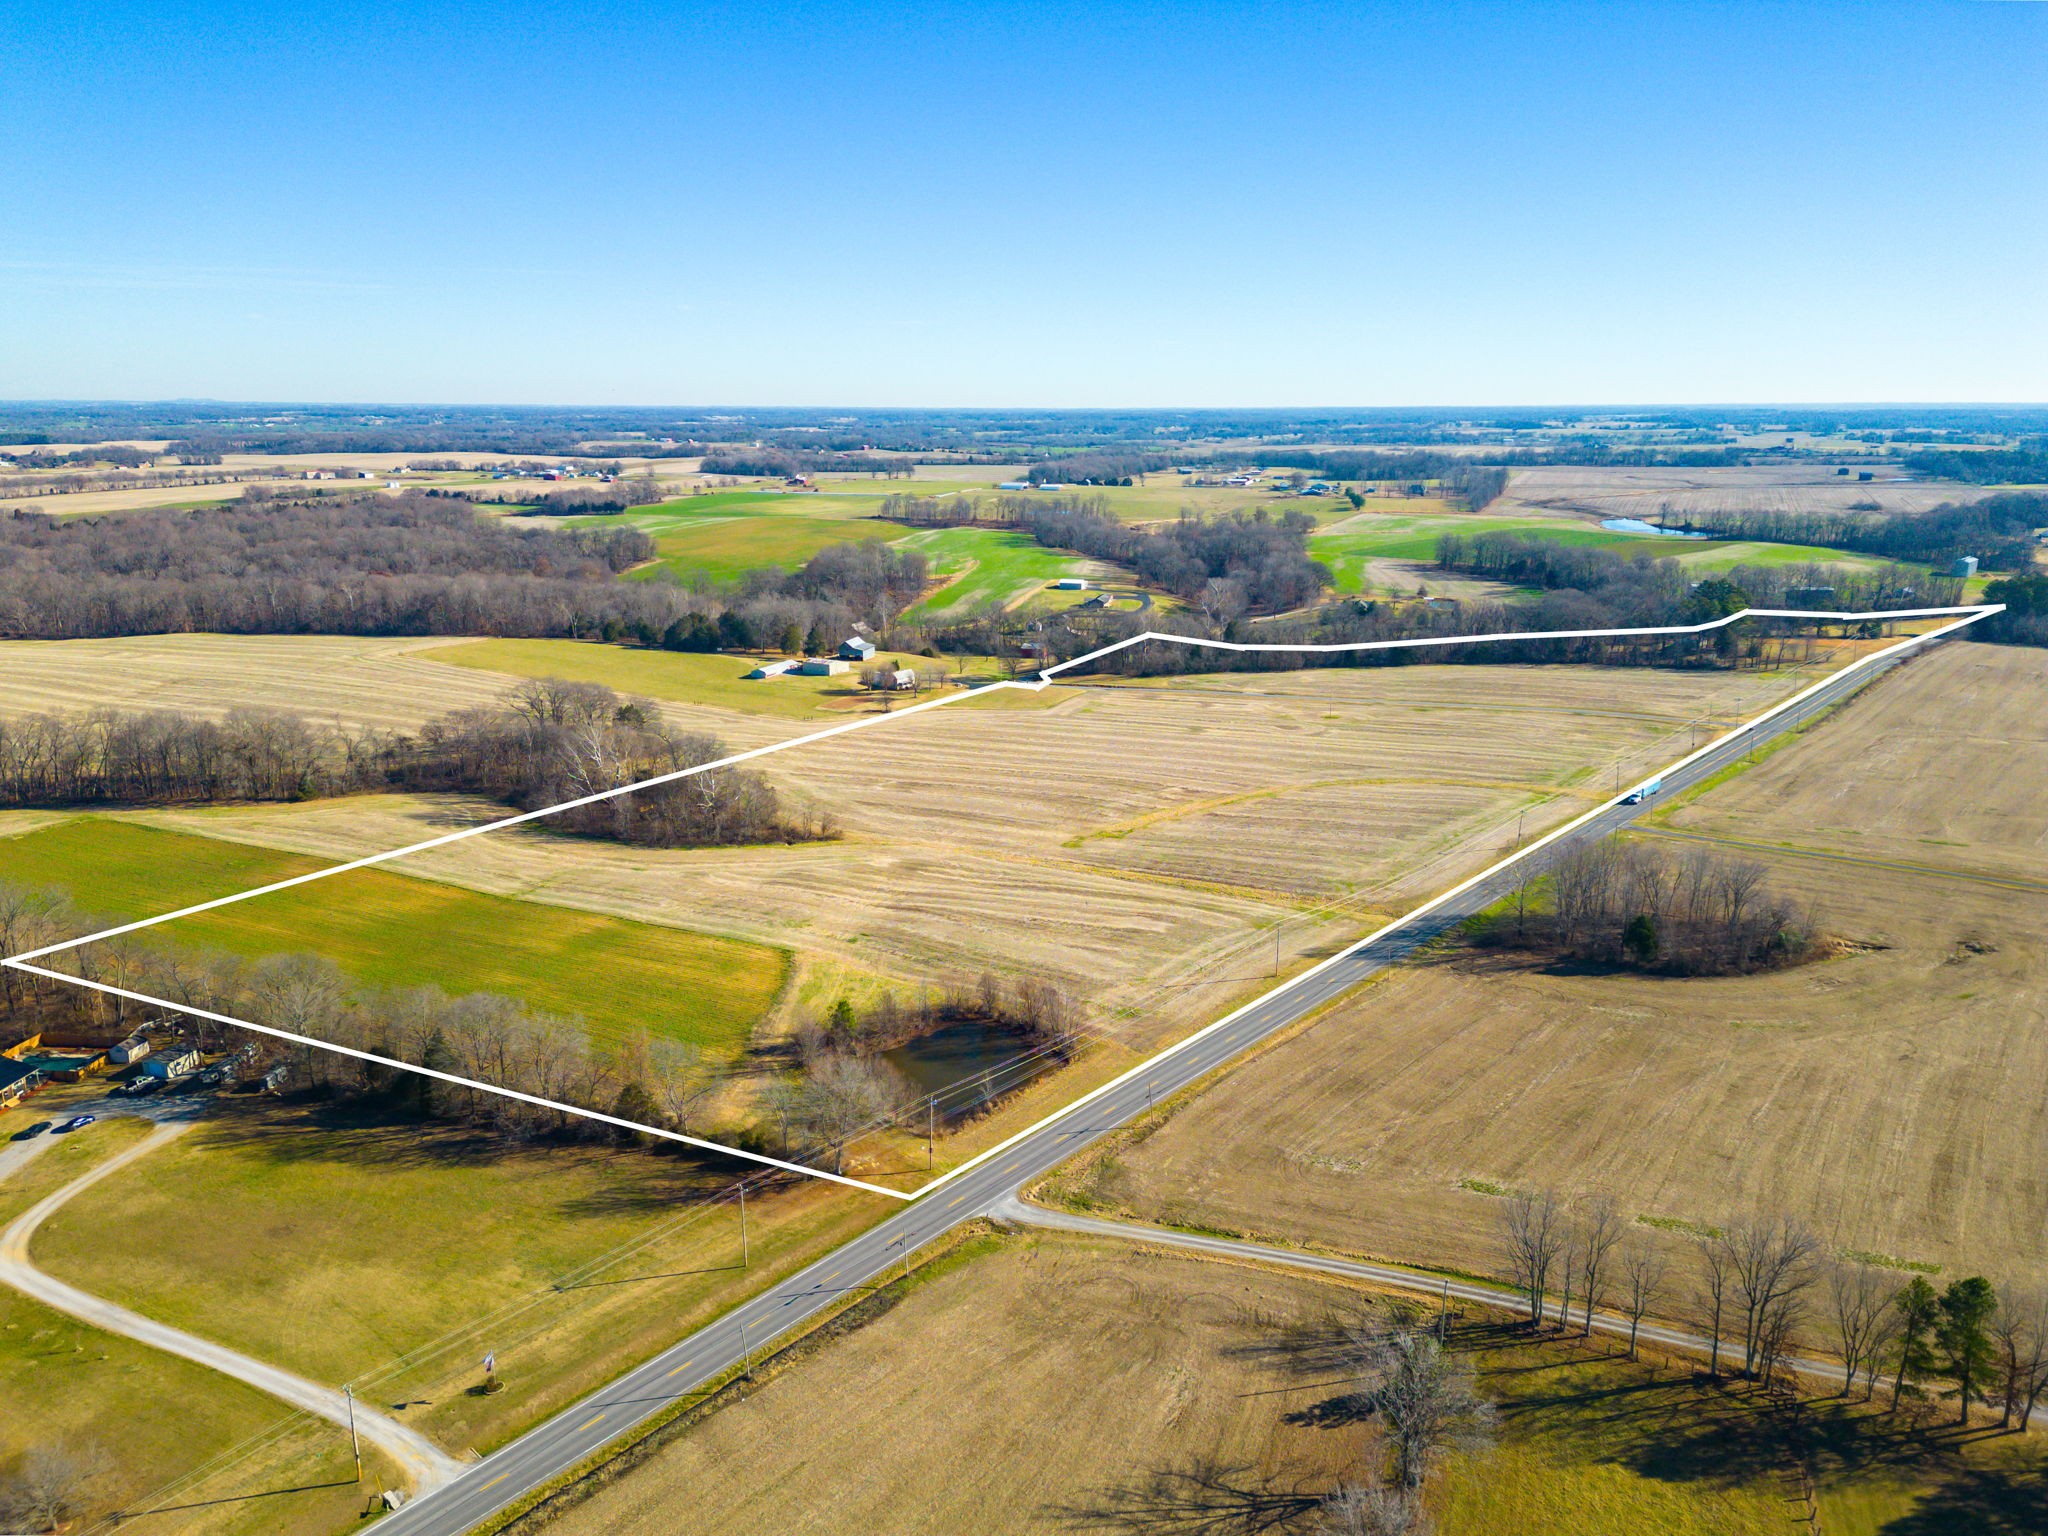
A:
<point x="677" y="1373"/>
<point x="425" y="1464"/>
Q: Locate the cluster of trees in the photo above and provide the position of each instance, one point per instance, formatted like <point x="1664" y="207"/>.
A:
<point x="1699" y="913"/>
<point x="2025" y="620"/>
<point x="1101" y="467"/>
<point x="1761" y="1288"/>
<point x="805" y="461"/>
<point x="550" y="742"/>
<point x="631" y="491"/>
<point x="1037" y="1012"/>
<point x="119" y="455"/>
<point x="1263" y="559"/>
<point x="2026" y="464"/>
<point x="77" y="480"/>
<point x="1998" y="530"/>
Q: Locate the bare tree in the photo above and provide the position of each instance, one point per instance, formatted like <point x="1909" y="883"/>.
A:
<point x="1642" y="1282"/>
<point x="1424" y="1398"/>
<point x="1772" y="1260"/>
<point x="844" y="1095"/>
<point x="1600" y="1228"/>
<point x="1860" y="1307"/>
<point x="2019" y="1330"/>
<point x="53" y="1486"/>
<point x="1532" y="1232"/>
<point x="1363" y="1509"/>
<point x="1716" y="1278"/>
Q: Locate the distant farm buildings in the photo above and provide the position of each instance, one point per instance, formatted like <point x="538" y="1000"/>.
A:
<point x="824" y="666"/>
<point x="774" y="669"/>
<point x="175" y="1062"/>
<point x="857" y="649"/>
<point x="1965" y="567"/>
<point x="1070" y="584"/>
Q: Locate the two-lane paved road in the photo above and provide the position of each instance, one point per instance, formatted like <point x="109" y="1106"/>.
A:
<point x="569" y="1437"/>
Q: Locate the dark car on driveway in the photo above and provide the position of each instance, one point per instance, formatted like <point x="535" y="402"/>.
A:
<point x="77" y="1122"/>
<point x="34" y="1130"/>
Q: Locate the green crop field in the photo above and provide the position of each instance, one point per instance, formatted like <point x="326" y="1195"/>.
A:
<point x="993" y="566"/>
<point x="1348" y="549"/>
<point x="725" y="534"/>
<point x="681" y="676"/>
<point x="1725" y="556"/>
<point x="389" y="930"/>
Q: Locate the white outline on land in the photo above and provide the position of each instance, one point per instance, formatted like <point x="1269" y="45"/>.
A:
<point x="1970" y="614"/>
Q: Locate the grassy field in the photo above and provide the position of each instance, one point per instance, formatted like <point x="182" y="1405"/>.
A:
<point x="395" y="1255"/>
<point x="989" y="568"/>
<point x="725" y="534"/>
<point x="389" y="930"/>
<point x="1650" y="493"/>
<point x="1350" y="546"/>
<point x="68" y="1384"/>
<point x="1889" y="1098"/>
<point x="980" y="1391"/>
<point x="717" y="681"/>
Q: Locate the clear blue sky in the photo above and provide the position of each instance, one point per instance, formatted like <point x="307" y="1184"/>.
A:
<point x="1076" y="204"/>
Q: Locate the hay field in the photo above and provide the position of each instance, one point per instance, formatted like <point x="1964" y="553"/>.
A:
<point x="387" y="930"/>
<point x="389" y="684"/>
<point x="1041" y="1383"/>
<point x="1139" y="844"/>
<point x="1647" y="492"/>
<point x="1891" y="1097"/>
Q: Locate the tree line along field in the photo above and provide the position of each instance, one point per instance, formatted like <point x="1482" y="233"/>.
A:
<point x="984" y="1389"/>
<point x="389" y="930"/>
<point x="1138" y="844"/>
<point x="1888" y="1098"/>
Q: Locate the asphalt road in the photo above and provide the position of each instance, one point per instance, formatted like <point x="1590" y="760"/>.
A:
<point x="570" y="1437"/>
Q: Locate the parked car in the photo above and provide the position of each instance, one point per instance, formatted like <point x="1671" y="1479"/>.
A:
<point x="34" y="1130"/>
<point x="77" y="1122"/>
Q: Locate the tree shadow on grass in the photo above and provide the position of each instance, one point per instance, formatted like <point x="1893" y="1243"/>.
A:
<point x="1203" y="1498"/>
<point x="1984" y="1502"/>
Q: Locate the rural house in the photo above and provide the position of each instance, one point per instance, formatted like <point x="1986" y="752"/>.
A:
<point x="175" y="1062"/>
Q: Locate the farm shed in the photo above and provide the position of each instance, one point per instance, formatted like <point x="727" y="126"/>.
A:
<point x="857" y="649"/>
<point x="774" y="669"/>
<point x="823" y="666"/>
<point x="134" y="1048"/>
<point x="175" y="1062"/>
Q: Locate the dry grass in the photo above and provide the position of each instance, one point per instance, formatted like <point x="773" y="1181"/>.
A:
<point x="1049" y="1383"/>
<point x="1138" y="843"/>
<point x="1891" y="1097"/>
<point x="1646" y="492"/>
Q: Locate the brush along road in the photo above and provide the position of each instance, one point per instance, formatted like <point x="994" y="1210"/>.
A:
<point x="984" y="1185"/>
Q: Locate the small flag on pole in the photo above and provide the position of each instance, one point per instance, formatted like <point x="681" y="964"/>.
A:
<point x="490" y="1362"/>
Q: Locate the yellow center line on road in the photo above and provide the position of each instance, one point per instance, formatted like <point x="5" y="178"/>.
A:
<point x="679" y="1369"/>
<point x="487" y="1487"/>
<point x="954" y="1201"/>
<point x="596" y="1419"/>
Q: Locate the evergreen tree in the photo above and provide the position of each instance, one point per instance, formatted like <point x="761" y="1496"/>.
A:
<point x="1918" y="1308"/>
<point x="1962" y="1332"/>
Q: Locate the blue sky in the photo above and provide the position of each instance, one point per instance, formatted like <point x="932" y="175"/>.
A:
<point x="1085" y="204"/>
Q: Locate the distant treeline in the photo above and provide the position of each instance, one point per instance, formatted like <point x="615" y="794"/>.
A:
<point x="1620" y="903"/>
<point x="1099" y="468"/>
<point x="2025" y="621"/>
<point x="550" y="742"/>
<point x="582" y="500"/>
<point x="1998" y="530"/>
<point x="120" y="455"/>
<point x="406" y="565"/>
<point x="2026" y="464"/>
<point x="1262" y="557"/>
<point x="804" y="461"/>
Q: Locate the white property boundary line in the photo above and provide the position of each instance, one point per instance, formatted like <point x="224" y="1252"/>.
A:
<point x="22" y="962"/>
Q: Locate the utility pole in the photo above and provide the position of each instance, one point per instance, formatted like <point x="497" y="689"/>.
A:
<point x="355" y="1445"/>
<point x="931" y="1129"/>
<point x="1443" y="1314"/>
<point x="745" y="1258"/>
<point x="746" y="1355"/>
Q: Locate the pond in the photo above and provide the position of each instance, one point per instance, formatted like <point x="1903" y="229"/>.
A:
<point x="1637" y="525"/>
<point x="968" y="1057"/>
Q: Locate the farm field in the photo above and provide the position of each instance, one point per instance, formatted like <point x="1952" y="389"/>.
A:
<point x="1649" y="493"/>
<point x="386" y="929"/>
<point x="993" y="568"/>
<point x="1355" y="547"/>
<point x="393" y="1254"/>
<point x="1139" y="844"/>
<point x="977" y="1388"/>
<point x="1889" y="1097"/>
<point x="715" y="680"/>
<point x="70" y="1385"/>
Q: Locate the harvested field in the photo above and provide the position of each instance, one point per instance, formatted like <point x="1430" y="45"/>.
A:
<point x="987" y="1391"/>
<point x="1137" y="843"/>
<point x="1890" y="1098"/>
<point x="390" y="684"/>
<point x="1649" y="493"/>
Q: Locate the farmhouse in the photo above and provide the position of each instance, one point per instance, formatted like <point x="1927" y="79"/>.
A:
<point x="774" y="668"/>
<point x="901" y="678"/>
<point x="824" y="666"/>
<point x="857" y="649"/>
